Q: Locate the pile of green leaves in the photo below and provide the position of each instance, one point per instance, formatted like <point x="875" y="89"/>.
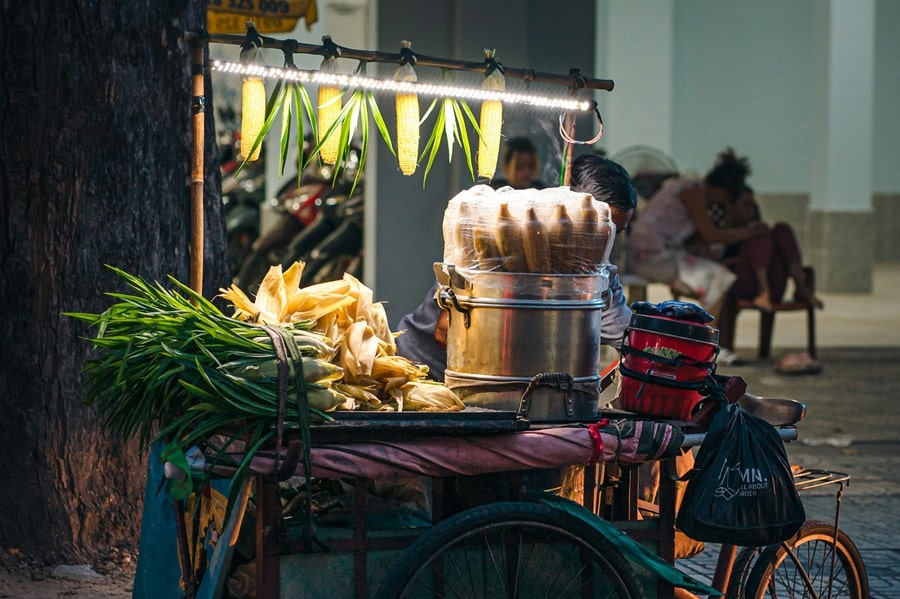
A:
<point x="171" y="366"/>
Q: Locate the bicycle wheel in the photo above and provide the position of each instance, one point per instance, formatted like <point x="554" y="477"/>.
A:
<point x="802" y="566"/>
<point x="511" y="549"/>
<point x="740" y="571"/>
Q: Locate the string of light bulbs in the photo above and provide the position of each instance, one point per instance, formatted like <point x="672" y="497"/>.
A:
<point x="355" y="81"/>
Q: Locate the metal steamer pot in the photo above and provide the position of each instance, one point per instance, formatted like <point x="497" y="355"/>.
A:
<point x="524" y="342"/>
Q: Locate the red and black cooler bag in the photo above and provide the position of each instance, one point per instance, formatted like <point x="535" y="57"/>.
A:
<point x="664" y="365"/>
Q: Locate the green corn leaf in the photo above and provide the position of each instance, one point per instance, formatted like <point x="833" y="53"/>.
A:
<point x="470" y="116"/>
<point x="303" y="108"/>
<point x="463" y="137"/>
<point x="364" y="144"/>
<point x="434" y="140"/>
<point x="286" y="116"/>
<point x="379" y="122"/>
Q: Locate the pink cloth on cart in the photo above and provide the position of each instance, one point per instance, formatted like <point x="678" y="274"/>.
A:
<point x="618" y="440"/>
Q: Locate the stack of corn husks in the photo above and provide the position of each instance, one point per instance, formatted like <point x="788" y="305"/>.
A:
<point x="369" y="375"/>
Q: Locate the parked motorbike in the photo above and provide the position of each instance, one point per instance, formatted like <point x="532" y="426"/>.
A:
<point x="243" y="191"/>
<point x="320" y="223"/>
<point x="242" y="198"/>
<point x="333" y="244"/>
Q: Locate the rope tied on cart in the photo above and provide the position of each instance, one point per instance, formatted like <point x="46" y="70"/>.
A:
<point x="594" y="430"/>
<point x="286" y="347"/>
<point x="633" y="441"/>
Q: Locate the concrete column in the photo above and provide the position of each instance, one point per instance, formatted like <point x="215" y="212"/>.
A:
<point x="840" y="233"/>
<point x="634" y="48"/>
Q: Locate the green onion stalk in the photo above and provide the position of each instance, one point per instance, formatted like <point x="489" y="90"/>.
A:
<point x="171" y="367"/>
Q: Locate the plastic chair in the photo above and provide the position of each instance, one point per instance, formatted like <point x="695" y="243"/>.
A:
<point x="767" y="319"/>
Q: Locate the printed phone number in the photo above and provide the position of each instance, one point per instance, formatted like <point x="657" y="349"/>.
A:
<point x="275" y="7"/>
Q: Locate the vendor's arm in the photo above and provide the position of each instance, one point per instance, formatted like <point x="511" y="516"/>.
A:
<point x="419" y="336"/>
<point x="616" y="317"/>
<point x="694" y="200"/>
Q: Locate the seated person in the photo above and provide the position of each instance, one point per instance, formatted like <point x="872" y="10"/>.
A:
<point x="670" y="243"/>
<point x="765" y="263"/>
<point x="763" y="266"/>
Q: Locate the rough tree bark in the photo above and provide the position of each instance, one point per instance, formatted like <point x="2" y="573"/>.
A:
<point x="95" y="105"/>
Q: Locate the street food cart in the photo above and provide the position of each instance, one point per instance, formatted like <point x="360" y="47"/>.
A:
<point x="478" y="477"/>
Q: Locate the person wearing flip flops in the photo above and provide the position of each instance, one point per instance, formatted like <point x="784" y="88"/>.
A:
<point x="764" y="264"/>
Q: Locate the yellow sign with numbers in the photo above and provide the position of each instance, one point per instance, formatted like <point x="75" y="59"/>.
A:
<point x="270" y="16"/>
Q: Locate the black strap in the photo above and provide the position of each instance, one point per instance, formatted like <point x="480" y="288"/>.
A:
<point x="286" y="347"/>
<point x="646" y="377"/>
<point x="677" y="361"/>
<point x="309" y="531"/>
<point x="561" y="381"/>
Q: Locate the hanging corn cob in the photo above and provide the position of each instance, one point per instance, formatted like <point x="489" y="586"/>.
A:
<point x="253" y="105"/>
<point x="329" y="109"/>
<point x="491" y="119"/>
<point x="407" y="115"/>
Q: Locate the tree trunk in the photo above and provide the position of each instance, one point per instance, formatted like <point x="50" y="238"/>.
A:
<point x="95" y="148"/>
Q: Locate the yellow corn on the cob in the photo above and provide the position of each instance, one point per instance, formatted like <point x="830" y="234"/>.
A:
<point x="490" y="123"/>
<point x="536" y="244"/>
<point x="253" y="104"/>
<point x="426" y="396"/>
<point x="329" y="109"/>
<point x="407" y="132"/>
<point x="489" y="143"/>
<point x="508" y="234"/>
<point x="407" y="120"/>
<point x="253" y="114"/>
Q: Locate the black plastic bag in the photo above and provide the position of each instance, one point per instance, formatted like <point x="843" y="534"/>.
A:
<point x="741" y="490"/>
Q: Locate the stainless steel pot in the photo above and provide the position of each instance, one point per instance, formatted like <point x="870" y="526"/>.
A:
<point x="507" y="328"/>
<point x="519" y="325"/>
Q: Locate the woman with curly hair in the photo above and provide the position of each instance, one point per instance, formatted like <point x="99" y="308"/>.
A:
<point x="675" y="241"/>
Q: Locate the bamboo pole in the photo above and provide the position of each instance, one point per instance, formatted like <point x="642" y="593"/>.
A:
<point x="198" y="110"/>
<point x="568" y="146"/>
<point x="198" y="122"/>
<point x="421" y="60"/>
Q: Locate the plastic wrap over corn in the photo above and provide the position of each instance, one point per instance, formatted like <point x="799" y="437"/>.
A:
<point x="546" y="231"/>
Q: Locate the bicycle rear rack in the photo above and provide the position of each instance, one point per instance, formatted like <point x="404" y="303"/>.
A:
<point x="805" y="479"/>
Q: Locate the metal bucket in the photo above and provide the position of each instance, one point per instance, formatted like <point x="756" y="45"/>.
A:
<point x="506" y="328"/>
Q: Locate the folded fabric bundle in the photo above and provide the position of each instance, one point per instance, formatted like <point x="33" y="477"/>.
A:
<point x="673" y="309"/>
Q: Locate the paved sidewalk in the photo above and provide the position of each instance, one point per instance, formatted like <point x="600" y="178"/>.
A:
<point x="853" y="417"/>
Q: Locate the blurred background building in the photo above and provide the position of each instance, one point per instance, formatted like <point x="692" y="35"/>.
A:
<point x="806" y="89"/>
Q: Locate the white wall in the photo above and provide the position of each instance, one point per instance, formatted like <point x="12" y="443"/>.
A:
<point x="634" y="48"/>
<point x="743" y="78"/>
<point x="742" y="75"/>
<point x="886" y="152"/>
